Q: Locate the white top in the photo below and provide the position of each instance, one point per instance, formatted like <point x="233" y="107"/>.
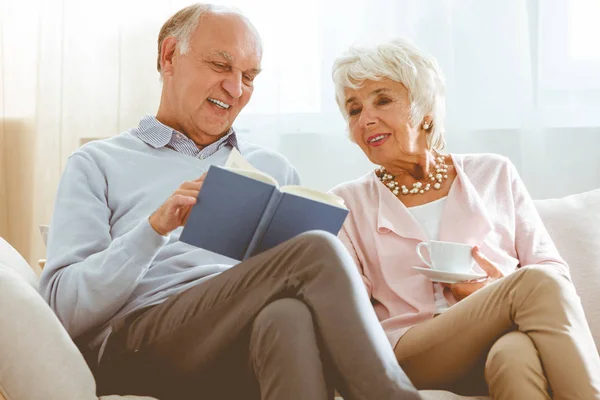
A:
<point x="429" y="216"/>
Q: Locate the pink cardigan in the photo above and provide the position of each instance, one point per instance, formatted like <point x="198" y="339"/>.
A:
<point x="487" y="206"/>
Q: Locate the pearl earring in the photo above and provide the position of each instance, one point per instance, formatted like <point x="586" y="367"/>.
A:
<point x="425" y="125"/>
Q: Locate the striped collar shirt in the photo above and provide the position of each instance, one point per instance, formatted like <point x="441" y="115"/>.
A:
<point x="157" y="135"/>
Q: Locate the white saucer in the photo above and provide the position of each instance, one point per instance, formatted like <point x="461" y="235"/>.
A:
<point x="449" y="277"/>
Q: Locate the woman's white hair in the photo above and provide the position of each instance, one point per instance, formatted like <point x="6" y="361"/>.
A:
<point x="400" y="61"/>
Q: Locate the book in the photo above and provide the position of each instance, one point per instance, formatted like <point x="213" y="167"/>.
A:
<point x="242" y="211"/>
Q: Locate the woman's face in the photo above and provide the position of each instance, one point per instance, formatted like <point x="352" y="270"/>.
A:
<point x="379" y="122"/>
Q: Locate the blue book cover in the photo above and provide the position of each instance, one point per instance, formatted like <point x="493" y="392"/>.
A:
<point x="239" y="216"/>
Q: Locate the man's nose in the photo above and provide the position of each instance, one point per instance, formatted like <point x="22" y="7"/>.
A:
<point x="233" y="85"/>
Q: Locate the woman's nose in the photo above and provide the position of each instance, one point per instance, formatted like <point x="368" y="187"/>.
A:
<point x="367" y="119"/>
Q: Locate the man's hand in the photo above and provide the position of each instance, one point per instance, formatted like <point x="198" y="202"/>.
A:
<point x="174" y="212"/>
<point x="464" y="289"/>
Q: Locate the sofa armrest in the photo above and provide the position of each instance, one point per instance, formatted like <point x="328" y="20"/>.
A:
<point x="32" y="342"/>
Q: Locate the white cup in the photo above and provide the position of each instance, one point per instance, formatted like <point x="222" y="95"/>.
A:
<point x="447" y="256"/>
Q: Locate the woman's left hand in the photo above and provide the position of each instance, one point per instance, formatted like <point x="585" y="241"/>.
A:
<point x="464" y="289"/>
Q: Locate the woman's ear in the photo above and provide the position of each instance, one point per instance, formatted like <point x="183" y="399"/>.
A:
<point x="427" y="123"/>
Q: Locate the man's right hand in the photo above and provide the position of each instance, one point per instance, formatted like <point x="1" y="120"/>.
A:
<point x="174" y="212"/>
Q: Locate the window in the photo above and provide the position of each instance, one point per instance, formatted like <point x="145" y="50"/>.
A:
<point x="569" y="67"/>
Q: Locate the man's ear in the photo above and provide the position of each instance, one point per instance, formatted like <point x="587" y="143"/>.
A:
<point x="168" y="54"/>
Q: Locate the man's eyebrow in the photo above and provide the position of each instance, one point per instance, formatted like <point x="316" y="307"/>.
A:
<point x="350" y="100"/>
<point x="223" y="54"/>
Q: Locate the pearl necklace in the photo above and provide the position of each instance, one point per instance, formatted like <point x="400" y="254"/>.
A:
<point x="441" y="174"/>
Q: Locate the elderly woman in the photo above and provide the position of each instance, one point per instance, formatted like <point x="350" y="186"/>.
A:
<point x="521" y="329"/>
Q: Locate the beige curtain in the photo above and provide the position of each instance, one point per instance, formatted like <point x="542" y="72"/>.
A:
<point x="70" y="71"/>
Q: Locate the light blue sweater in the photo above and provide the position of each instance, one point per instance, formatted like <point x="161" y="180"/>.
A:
<point x="104" y="260"/>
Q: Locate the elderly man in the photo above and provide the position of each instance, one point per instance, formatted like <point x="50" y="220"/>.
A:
<point x="165" y="319"/>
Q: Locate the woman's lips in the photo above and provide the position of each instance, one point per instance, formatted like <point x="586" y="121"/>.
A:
<point x="378" y="139"/>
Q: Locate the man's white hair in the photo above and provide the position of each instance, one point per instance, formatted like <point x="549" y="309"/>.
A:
<point x="184" y="22"/>
<point x="400" y="61"/>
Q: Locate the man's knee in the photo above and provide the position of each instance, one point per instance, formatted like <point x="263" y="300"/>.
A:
<point x="514" y="352"/>
<point x="321" y="242"/>
<point x="328" y="251"/>
<point x="322" y="257"/>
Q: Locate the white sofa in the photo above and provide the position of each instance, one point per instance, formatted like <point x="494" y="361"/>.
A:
<point x="38" y="360"/>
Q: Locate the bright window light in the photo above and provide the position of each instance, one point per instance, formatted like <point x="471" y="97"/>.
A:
<point x="584" y="29"/>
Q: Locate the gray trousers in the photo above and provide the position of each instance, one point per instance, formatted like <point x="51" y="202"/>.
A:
<point x="290" y="323"/>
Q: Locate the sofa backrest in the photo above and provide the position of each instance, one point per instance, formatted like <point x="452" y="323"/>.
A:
<point x="574" y="225"/>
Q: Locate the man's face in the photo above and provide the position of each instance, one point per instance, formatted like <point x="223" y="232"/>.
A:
<point x="213" y="81"/>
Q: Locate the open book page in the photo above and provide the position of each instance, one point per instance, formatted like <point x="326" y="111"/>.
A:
<point x="256" y="174"/>
<point x="327" y="198"/>
<point x="238" y="164"/>
<point x="236" y="160"/>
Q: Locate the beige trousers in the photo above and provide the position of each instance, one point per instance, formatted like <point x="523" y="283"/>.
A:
<point x="525" y="335"/>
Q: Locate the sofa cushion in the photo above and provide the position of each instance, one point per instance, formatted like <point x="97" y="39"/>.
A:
<point x="10" y="259"/>
<point x="574" y="224"/>
<point x="444" y="395"/>
<point x="38" y="359"/>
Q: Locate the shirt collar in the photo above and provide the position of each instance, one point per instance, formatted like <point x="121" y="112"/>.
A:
<point x="156" y="134"/>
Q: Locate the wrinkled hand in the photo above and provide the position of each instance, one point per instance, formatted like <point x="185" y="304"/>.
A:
<point x="464" y="289"/>
<point x="174" y="212"/>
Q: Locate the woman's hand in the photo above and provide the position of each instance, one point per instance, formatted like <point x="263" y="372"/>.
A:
<point x="464" y="289"/>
